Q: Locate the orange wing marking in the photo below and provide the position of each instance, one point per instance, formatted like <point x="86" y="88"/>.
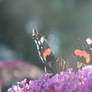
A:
<point x="46" y="53"/>
<point x="83" y="53"/>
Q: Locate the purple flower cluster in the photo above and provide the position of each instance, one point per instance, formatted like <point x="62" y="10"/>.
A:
<point x="63" y="82"/>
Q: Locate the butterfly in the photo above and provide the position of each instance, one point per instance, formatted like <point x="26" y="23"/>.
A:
<point x="57" y="65"/>
<point x="51" y="63"/>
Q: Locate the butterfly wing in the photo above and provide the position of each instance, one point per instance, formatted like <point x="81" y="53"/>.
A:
<point x="84" y="53"/>
<point x="44" y="51"/>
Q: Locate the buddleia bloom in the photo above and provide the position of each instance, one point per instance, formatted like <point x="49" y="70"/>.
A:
<point x="81" y="81"/>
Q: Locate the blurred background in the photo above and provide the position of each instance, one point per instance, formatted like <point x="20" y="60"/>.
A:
<point x="65" y="23"/>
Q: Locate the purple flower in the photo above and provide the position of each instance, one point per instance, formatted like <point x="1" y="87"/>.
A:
<point x="63" y="82"/>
